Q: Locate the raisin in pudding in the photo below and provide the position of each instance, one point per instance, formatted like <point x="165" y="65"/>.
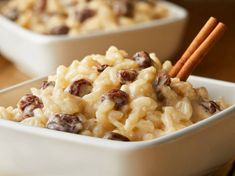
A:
<point x="72" y="17"/>
<point x="115" y="96"/>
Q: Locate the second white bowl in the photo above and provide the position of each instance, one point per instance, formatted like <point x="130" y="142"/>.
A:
<point x="39" y="55"/>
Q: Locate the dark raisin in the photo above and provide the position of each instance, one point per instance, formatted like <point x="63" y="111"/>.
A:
<point x="28" y="104"/>
<point x="116" y="137"/>
<point x="119" y="97"/>
<point x="46" y="84"/>
<point x="143" y="59"/>
<point x="210" y="106"/>
<point x="12" y="14"/>
<point x="65" y="122"/>
<point x="162" y="80"/>
<point x="126" y="76"/>
<point x="101" y="68"/>
<point x="80" y="88"/>
<point x="84" y="14"/>
<point x="123" y="8"/>
<point x="40" y="6"/>
<point x="160" y="96"/>
<point x="60" y="30"/>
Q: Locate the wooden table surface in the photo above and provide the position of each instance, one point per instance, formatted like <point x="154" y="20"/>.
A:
<point x="219" y="63"/>
<point x="9" y="74"/>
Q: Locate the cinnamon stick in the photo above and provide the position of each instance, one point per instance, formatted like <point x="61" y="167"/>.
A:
<point x="201" y="51"/>
<point x="201" y="36"/>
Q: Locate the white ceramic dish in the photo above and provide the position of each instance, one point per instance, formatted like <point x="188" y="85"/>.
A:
<point x="195" y="150"/>
<point x="39" y="55"/>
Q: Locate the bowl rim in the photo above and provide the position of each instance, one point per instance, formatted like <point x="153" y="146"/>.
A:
<point x="117" y="145"/>
<point x="177" y="13"/>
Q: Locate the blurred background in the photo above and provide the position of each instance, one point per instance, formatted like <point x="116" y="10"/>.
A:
<point x="220" y="62"/>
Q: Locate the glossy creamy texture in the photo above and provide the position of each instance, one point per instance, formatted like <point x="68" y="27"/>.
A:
<point x="144" y="117"/>
<point x="58" y="13"/>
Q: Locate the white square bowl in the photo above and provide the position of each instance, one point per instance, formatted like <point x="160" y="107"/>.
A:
<point x="195" y="150"/>
<point x="39" y="54"/>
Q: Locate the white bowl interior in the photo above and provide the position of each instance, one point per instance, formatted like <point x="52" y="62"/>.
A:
<point x="216" y="88"/>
